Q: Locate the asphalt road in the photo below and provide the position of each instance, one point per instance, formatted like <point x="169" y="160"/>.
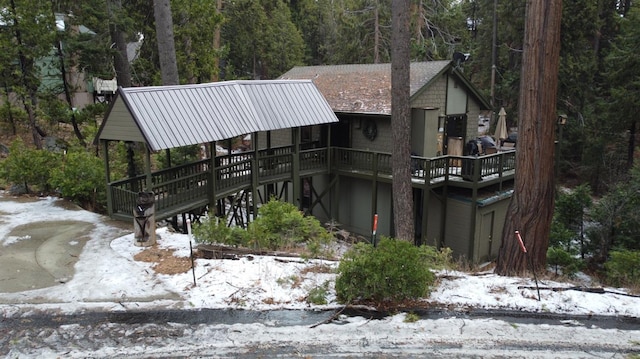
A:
<point x="249" y="334"/>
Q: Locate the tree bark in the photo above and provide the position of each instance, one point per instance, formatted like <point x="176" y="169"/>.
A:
<point x="216" y="44"/>
<point x="531" y="208"/>
<point x="67" y="94"/>
<point x="120" y="58"/>
<point x="166" y="44"/>
<point x="401" y="122"/>
<point x="29" y="83"/>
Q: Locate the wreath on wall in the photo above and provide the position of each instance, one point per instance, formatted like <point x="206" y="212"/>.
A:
<point x="370" y="130"/>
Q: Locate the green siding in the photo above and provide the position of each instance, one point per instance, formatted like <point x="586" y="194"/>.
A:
<point x="121" y="126"/>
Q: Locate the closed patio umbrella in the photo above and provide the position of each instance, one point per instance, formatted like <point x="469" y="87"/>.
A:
<point x="501" y="128"/>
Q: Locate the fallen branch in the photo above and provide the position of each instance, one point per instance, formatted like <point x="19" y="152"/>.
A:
<point x="332" y="318"/>
<point x="581" y="289"/>
<point x="287" y="261"/>
<point x="562" y="289"/>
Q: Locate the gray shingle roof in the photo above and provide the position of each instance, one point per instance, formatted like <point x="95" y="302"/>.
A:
<point x="176" y="116"/>
<point x="364" y="88"/>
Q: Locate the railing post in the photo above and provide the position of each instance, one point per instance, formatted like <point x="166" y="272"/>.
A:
<point x="105" y="154"/>
<point x="255" y="178"/>
<point x="374" y="185"/>
<point x="477" y="169"/>
<point x="295" y="167"/>
<point x="212" y="177"/>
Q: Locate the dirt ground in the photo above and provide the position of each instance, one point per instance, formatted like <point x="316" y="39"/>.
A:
<point x="165" y="260"/>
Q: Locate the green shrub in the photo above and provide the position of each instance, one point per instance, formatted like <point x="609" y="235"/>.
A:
<point x="411" y="317"/>
<point x="318" y="295"/>
<point x="278" y="226"/>
<point x="560" y="259"/>
<point x="214" y="230"/>
<point x="80" y="178"/>
<point x="281" y="225"/>
<point x="437" y="259"/>
<point x="391" y="272"/>
<point x="29" y="167"/>
<point x="623" y="268"/>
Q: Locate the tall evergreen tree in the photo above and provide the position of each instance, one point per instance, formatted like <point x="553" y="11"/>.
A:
<point x="531" y="208"/>
<point x="166" y="45"/>
<point x="197" y="51"/>
<point x="261" y="39"/>
<point x="118" y="32"/>
<point x="30" y="26"/>
<point x="623" y="73"/>
<point x="401" y="122"/>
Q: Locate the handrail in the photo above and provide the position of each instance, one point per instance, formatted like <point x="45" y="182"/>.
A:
<point x="189" y="182"/>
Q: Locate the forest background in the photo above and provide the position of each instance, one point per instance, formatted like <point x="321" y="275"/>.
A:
<point x="215" y="40"/>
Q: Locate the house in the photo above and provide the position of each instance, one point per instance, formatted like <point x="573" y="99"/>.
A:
<point x="321" y="139"/>
<point x="445" y="107"/>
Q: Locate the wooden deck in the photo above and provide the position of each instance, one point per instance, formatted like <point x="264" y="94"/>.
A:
<point x="190" y="188"/>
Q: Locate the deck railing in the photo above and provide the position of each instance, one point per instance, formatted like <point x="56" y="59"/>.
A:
<point x="315" y="159"/>
<point x="473" y="168"/>
<point x="177" y="186"/>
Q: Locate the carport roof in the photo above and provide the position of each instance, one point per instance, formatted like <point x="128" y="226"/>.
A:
<point x="174" y="116"/>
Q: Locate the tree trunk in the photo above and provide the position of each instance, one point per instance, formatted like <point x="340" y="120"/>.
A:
<point x="30" y="85"/>
<point x="531" y="209"/>
<point x="632" y="144"/>
<point x="376" y="35"/>
<point x="12" y="122"/>
<point x="401" y="122"/>
<point x="120" y="58"/>
<point x="67" y="94"/>
<point x="216" y="44"/>
<point x="166" y="44"/>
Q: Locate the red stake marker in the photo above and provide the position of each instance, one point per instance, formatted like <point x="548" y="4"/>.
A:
<point x="375" y="229"/>
<point x="524" y="249"/>
<point x="375" y="224"/>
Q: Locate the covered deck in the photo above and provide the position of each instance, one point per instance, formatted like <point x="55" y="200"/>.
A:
<point x="194" y="187"/>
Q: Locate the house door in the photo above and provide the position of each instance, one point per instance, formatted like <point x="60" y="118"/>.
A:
<point x="486" y="236"/>
<point x="455" y="131"/>
<point x="341" y="134"/>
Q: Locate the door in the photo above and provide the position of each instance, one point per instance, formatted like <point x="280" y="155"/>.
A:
<point x="485" y="236"/>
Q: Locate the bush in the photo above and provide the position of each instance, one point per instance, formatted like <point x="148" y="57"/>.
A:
<point x="623" y="268"/>
<point x="214" y="230"/>
<point x="281" y="225"/>
<point x="278" y="226"/>
<point x="437" y="259"/>
<point x="562" y="260"/>
<point x="81" y="178"/>
<point x="318" y="295"/>
<point x="391" y="272"/>
<point x="29" y="167"/>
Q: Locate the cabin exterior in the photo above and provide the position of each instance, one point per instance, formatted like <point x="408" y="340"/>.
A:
<point x="323" y="143"/>
<point x="445" y="108"/>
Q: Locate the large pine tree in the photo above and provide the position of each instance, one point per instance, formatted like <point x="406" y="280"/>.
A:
<point x="401" y="122"/>
<point x="531" y="209"/>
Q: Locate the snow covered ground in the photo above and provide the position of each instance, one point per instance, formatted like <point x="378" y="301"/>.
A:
<point x="108" y="278"/>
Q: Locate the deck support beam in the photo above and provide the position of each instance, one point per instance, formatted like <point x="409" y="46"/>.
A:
<point x="295" y="167"/>
<point x="212" y="177"/>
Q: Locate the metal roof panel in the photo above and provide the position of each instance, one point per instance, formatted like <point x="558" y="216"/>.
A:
<point x="176" y="116"/>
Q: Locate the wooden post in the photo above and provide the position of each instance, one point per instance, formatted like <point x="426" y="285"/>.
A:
<point x="295" y="167"/>
<point x="105" y="156"/>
